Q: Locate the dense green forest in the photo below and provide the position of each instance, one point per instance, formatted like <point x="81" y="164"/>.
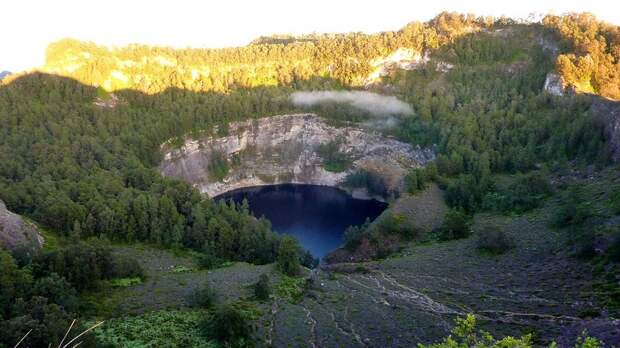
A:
<point x="86" y="171"/>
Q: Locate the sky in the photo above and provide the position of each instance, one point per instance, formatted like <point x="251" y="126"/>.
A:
<point x="28" y="26"/>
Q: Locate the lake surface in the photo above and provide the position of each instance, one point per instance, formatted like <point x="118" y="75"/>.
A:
<point x="316" y="215"/>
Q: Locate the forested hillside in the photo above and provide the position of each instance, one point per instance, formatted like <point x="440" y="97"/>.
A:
<point x="591" y="61"/>
<point x="80" y="139"/>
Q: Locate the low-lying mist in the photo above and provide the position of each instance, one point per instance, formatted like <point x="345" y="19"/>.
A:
<point x="373" y="103"/>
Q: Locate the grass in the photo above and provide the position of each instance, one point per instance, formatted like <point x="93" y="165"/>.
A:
<point x="181" y="269"/>
<point x="337" y="166"/>
<point x="125" y="282"/>
<point x="290" y="289"/>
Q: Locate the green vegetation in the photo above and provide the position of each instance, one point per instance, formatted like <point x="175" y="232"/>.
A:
<point x="334" y="160"/>
<point x="125" y="282"/>
<point x="591" y="64"/>
<point x="456" y="225"/>
<point x="262" y="290"/>
<point x="86" y="171"/>
<point x="290" y="289"/>
<point x="218" y="166"/>
<point x="154" y="329"/>
<point x="526" y="192"/>
<point x="464" y="335"/>
<point x="42" y="296"/>
<point x="228" y="325"/>
<point x="288" y="256"/>
<point x="574" y="210"/>
<point x="418" y="179"/>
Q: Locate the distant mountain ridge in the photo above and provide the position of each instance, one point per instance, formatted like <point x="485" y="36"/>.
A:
<point x="4" y="73"/>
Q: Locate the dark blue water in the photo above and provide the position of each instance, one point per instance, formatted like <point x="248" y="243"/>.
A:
<point x="316" y="215"/>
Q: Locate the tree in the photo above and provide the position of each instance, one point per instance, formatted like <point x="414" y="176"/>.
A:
<point x="288" y="256"/>
<point x="228" y="325"/>
<point x="261" y="288"/>
<point x="455" y="226"/>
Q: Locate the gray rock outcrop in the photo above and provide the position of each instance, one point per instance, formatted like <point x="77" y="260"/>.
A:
<point x="15" y="232"/>
<point x="553" y="84"/>
<point x="284" y="149"/>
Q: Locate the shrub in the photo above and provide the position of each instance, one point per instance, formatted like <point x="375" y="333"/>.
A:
<point x="455" y="226"/>
<point x="203" y="296"/>
<point x="208" y="260"/>
<point x="126" y="267"/>
<point x="334" y="160"/>
<point x="288" y="256"/>
<point x="394" y="224"/>
<point x="308" y="261"/>
<point x="572" y="211"/>
<point x="353" y="235"/>
<point x="261" y="288"/>
<point x="525" y="193"/>
<point x="81" y="264"/>
<point x="228" y="326"/>
<point x="493" y="240"/>
<point x="417" y="179"/>
<point x="218" y="166"/>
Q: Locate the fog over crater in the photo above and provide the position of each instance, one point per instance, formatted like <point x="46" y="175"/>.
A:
<point x="373" y="103"/>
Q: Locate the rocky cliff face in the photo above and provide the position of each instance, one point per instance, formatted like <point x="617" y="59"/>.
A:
<point x="15" y="232"/>
<point x="284" y="149"/>
<point x="553" y="84"/>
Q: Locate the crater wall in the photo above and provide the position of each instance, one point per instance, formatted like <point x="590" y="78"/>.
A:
<point x="284" y="149"/>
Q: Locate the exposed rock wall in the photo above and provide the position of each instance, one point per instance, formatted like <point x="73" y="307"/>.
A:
<point x="15" y="232"/>
<point x="553" y="84"/>
<point x="284" y="149"/>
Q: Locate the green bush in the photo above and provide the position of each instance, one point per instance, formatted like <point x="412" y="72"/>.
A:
<point x="262" y="290"/>
<point x="574" y="210"/>
<point x="288" y="256"/>
<point x="334" y="160"/>
<point x="203" y="296"/>
<point x="456" y="225"/>
<point x="394" y="224"/>
<point x="208" y="260"/>
<point x="308" y="261"/>
<point x="492" y="239"/>
<point x="527" y="192"/>
<point x="417" y="179"/>
<point x="465" y="335"/>
<point x="124" y="266"/>
<point x="218" y="166"/>
<point x="353" y="235"/>
<point x="229" y="326"/>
